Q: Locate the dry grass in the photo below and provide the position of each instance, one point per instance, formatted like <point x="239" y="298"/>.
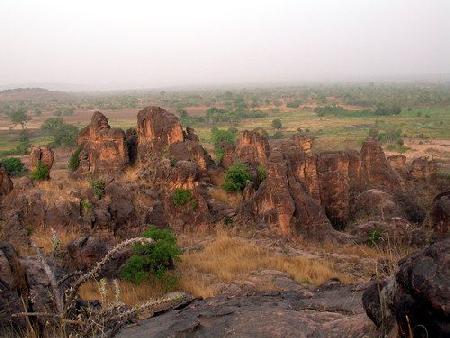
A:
<point x="231" y="199"/>
<point x="229" y="259"/>
<point x="42" y="238"/>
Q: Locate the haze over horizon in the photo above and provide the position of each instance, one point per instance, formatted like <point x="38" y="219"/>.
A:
<point x="147" y="44"/>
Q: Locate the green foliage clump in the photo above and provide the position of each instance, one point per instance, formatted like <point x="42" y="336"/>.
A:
<point x="63" y="134"/>
<point x="294" y="104"/>
<point x="98" y="188"/>
<point x="276" y="123"/>
<point x="155" y="259"/>
<point x="41" y="172"/>
<point x="221" y="136"/>
<point x="13" y="166"/>
<point x="74" y="160"/>
<point x="181" y="197"/>
<point x="86" y="205"/>
<point x="374" y="237"/>
<point x="236" y="177"/>
<point x="19" y="116"/>
<point x="383" y="110"/>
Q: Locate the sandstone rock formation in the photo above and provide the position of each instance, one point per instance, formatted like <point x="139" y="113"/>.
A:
<point x="375" y="204"/>
<point x="6" y="184"/>
<point x="252" y="148"/>
<point x="104" y="149"/>
<point x="44" y="155"/>
<point x="422" y="168"/>
<point x="156" y="130"/>
<point x="397" y="162"/>
<point x="417" y="296"/>
<point x="440" y="213"/>
<point x="376" y="171"/>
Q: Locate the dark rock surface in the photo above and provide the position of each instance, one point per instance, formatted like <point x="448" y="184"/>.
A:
<point x="331" y="311"/>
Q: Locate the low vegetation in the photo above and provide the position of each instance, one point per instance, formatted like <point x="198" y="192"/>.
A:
<point x="13" y="166"/>
<point x="40" y="173"/>
<point x="236" y="177"/>
<point x="74" y="160"/>
<point x="98" y="188"/>
<point x="181" y="197"/>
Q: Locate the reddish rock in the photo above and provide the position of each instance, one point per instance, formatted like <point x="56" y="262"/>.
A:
<point x="440" y="213"/>
<point x="44" y="155"/>
<point x="397" y="162"/>
<point x="191" y="151"/>
<point x="252" y="148"/>
<point x="375" y="169"/>
<point x="227" y="159"/>
<point x="6" y="184"/>
<point x="422" y="168"/>
<point x="104" y="148"/>
<point x="304" y="142"/>
<point x="157" y="129"/>
<point x="334" y="178"/>
<point x="375" y="205"/>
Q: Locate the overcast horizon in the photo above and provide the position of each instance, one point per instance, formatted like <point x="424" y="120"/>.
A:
<point x="145" y="44"/>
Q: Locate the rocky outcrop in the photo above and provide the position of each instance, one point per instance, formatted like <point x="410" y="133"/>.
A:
<point x="422" y="168"/>
<point x="157" y="129"/>
<point x="332" y="310"/>
<point x="104" y="149"/>
<point x="397" y="162"/>
<point x="6" y="184"/>
<point x="43" y="155"/>
<point x="13" y="286"/>
<point x="440" y="213"/>
<point x="417" y="297"/>
<point x="375" y="204"/>
<point x="252" y="148"/>
<point x="304" y="142"/>
<point x="283" y="204"/>
<point x="376" y="171"/>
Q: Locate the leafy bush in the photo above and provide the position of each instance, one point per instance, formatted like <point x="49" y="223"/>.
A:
<point x="98" y="188"/>
<point x="86" y="205"/>
<point x="220" y="136"/>
<point x="374" y="237"/>
<point x="74" y="160"/>
<point x="236" y="177"/>
<point x="181" y="197"/>
<point x="276" y="123"/>
<point x="40" y="173"/>
<point x="277" y="135"/>
<point x="154" y="258"/>
<point x="13" y="166"/>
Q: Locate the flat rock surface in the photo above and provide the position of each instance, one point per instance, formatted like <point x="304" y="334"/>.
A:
<point x="333" y="310"/>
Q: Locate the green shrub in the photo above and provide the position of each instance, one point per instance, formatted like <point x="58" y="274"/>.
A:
<point x="220" y="136"/>
<point x="236" y="177"/>
<point x="86" y="205"/>
<point x="40" y="173"/>
<point x="276" y="123"/>
<point x="13" y="166"/>
<point x="155" y="259"/>
<point x="374" y="237"/>
<point x="63" y="134"/>
<point x="74" y="160"/>
<point x="98" y="188"/>
<point x="181" y="196"/>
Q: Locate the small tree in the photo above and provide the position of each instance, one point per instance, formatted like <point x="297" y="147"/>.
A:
<point x="236" y="177"/>
<point x="19" y="116"/>
<point x="276" y="123"/>
<point x="13" y="166"/>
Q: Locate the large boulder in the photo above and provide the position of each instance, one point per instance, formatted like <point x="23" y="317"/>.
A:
<point x="42" y="155"/>
<point x="104" y="149"/>
<point x="6" y="184"/>
<point x="440" y="213"/>
<point x="156" y="130"/>
<point x="417" y="297"/>
<point x="376" y="171"/>
<point x="397" y="162"/>
<point x="375" y="204"/>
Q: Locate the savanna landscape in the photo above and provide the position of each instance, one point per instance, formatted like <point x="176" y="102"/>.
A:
<point x="210" y="169"/>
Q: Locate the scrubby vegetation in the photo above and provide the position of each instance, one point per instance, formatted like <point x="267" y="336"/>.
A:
<point x="63" y="134"/>
<point x="13" y="166"/>
<point x="181" y="197"/>
<point x="155" y="259"/>
<point x="74" y="160"/>
<point x="236" y="177"/>
<point x="40" y="173"/>
<point x="221" y="136"/>
<point x="98" y="188"/>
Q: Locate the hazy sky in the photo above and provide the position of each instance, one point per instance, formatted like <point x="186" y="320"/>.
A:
<point x="131" y="43"/>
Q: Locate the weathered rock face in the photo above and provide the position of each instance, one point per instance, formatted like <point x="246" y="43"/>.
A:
<point x="228" y="154"/>
<point x="305" y="143"/>
<point x="282" y="203"/>
<point x="397" y="162"/>
<point x="191" y="151"/>
<point x="418" y="297"/>
<point x="422" y="168"/>
<point x="156" y="130"/>
<point x="104" y="148"/>
<point x="6" y="184"/>
<point x="44" y="155"/>
<point x="252" y="148"/>
<point x="13" y="284"/>
<point x="375" y="169"/>
<point x="334" y="178"/>
<point x="440" y="213"/>
<point x="375" y="204"/>
<point x="331" y="311"/>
